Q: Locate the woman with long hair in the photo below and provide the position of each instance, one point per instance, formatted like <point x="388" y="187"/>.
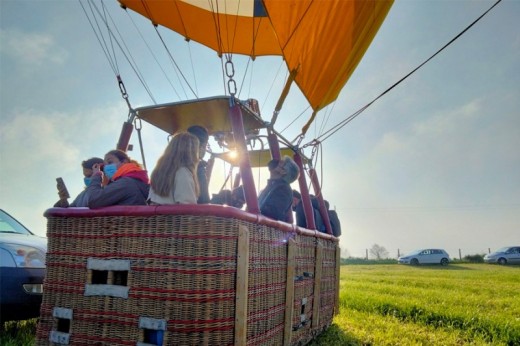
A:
<point x="174" y="179"/>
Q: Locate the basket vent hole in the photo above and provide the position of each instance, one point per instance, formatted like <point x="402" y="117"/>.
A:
<point x="99" y="277"/>
<point x="120" y="277"/>
<point x="63" y="325"/>
<point x="153" y="337"/>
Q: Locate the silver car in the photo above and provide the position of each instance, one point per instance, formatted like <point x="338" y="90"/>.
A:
<point x="425" y="256"/>
<point x="505" y="255"/>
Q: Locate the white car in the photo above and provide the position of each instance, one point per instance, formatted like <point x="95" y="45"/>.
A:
<point x="425" y="256"/>
<point x="505" y="255"/>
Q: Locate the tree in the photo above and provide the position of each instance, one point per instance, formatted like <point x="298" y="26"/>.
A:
<point x="379" y="252"/>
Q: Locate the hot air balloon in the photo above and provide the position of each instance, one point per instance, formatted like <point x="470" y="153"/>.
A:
<point x="210" y="274"/>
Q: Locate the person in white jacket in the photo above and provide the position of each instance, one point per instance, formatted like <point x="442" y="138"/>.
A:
<point x="174" y="179"/>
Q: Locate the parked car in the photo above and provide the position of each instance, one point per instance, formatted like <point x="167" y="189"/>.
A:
<point x="22" y="270"/>
<point x="505" y="255"/>
<point x="425" y="256"/>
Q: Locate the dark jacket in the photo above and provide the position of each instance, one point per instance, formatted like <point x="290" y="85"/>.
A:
<point x="81" y="200"/>
<point x="276" y="199"/>
<point x="318" y="220"/>
<point x="203" y="183"/>
<point x="320" y="223"/>
<point x="131" y="189"/>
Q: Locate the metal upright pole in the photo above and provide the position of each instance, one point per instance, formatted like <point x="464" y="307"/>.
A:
<point x="237" y="123"/>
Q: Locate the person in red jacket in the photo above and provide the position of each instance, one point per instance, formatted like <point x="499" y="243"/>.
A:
<point x="127" y="182"/>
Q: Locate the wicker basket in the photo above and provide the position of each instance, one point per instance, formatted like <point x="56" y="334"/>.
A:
<point x="184" y="275"/>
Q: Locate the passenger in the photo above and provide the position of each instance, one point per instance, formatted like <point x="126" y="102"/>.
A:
<point x="128" y="183"/>
<point x="297" y="207"/>
<point x="320" y="223"/>
<point x="238" y="198"/>
<point x="223" y="197"/>
<point x="276" y="199"/>
<point x="202" y="134"/>
<point x="173" y="180"/>
<point x="82" y="199"/>
<point x="233" y="198"/>
<point x="300" y="214"/>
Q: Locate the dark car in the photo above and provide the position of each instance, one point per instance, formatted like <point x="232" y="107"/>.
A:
<point x="22" y="270"/>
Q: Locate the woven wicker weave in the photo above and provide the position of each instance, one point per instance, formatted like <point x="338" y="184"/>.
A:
<point x="182" y="270"/>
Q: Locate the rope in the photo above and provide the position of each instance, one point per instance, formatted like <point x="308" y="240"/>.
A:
<point x="152" y="53"/>
<point x="104" y="46"/>
<point x="274" y="79"/>
<point x="112" y="63"/>
<point x="175" y="64"/>
<point x="294" y="120"/>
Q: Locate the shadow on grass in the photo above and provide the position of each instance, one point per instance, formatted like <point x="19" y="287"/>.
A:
<point x="438" y="266"/>
<point x="335" y="336"/>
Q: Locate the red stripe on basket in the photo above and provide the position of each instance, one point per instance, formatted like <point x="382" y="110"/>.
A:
<point x="179" y="299"/>
<point x="142" y="235"/>
<point x="265" y="291"/>
<point x="189" y="322"/>
<point x="269" y="259"/>
<point x="57" y="264"/>
<point x="103" y="320"/>
<point x="269" y="285"/>
<point x="176" y="291"/>
<point x="200" y="330"/>
<point x="107" y="313"/>
<point x="128" y="255"/>
<point x="263" y="314"/>
<point x="260" y="339"/>
<point x="49" y="283"/>
<point x="281" y="241"/>
<point x="55" y="286"/>
<point x="185" y="271"/>
<point x="75" y="338"/>
<point x="270" y="269"/>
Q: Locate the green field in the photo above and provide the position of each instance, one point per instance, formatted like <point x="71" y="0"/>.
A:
<point x="461" y="304"/>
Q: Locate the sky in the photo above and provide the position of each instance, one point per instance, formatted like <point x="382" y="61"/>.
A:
<point x="433" y="163"/>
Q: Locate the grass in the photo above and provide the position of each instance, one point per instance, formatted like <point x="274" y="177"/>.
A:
<point x="461" y="304"/>
<point x="18" y="333"/>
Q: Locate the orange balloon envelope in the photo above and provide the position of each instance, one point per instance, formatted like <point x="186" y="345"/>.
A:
<point x="321" y="40"/>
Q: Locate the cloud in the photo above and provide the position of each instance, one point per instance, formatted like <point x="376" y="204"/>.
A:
<point x="36" y="147"/>
<point x="31" y="49"/>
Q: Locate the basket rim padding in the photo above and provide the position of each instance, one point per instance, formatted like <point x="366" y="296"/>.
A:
<point x="186" y="209"/>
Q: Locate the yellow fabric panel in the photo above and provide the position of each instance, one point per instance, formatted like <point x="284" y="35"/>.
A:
<point x="211" y="112"/>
